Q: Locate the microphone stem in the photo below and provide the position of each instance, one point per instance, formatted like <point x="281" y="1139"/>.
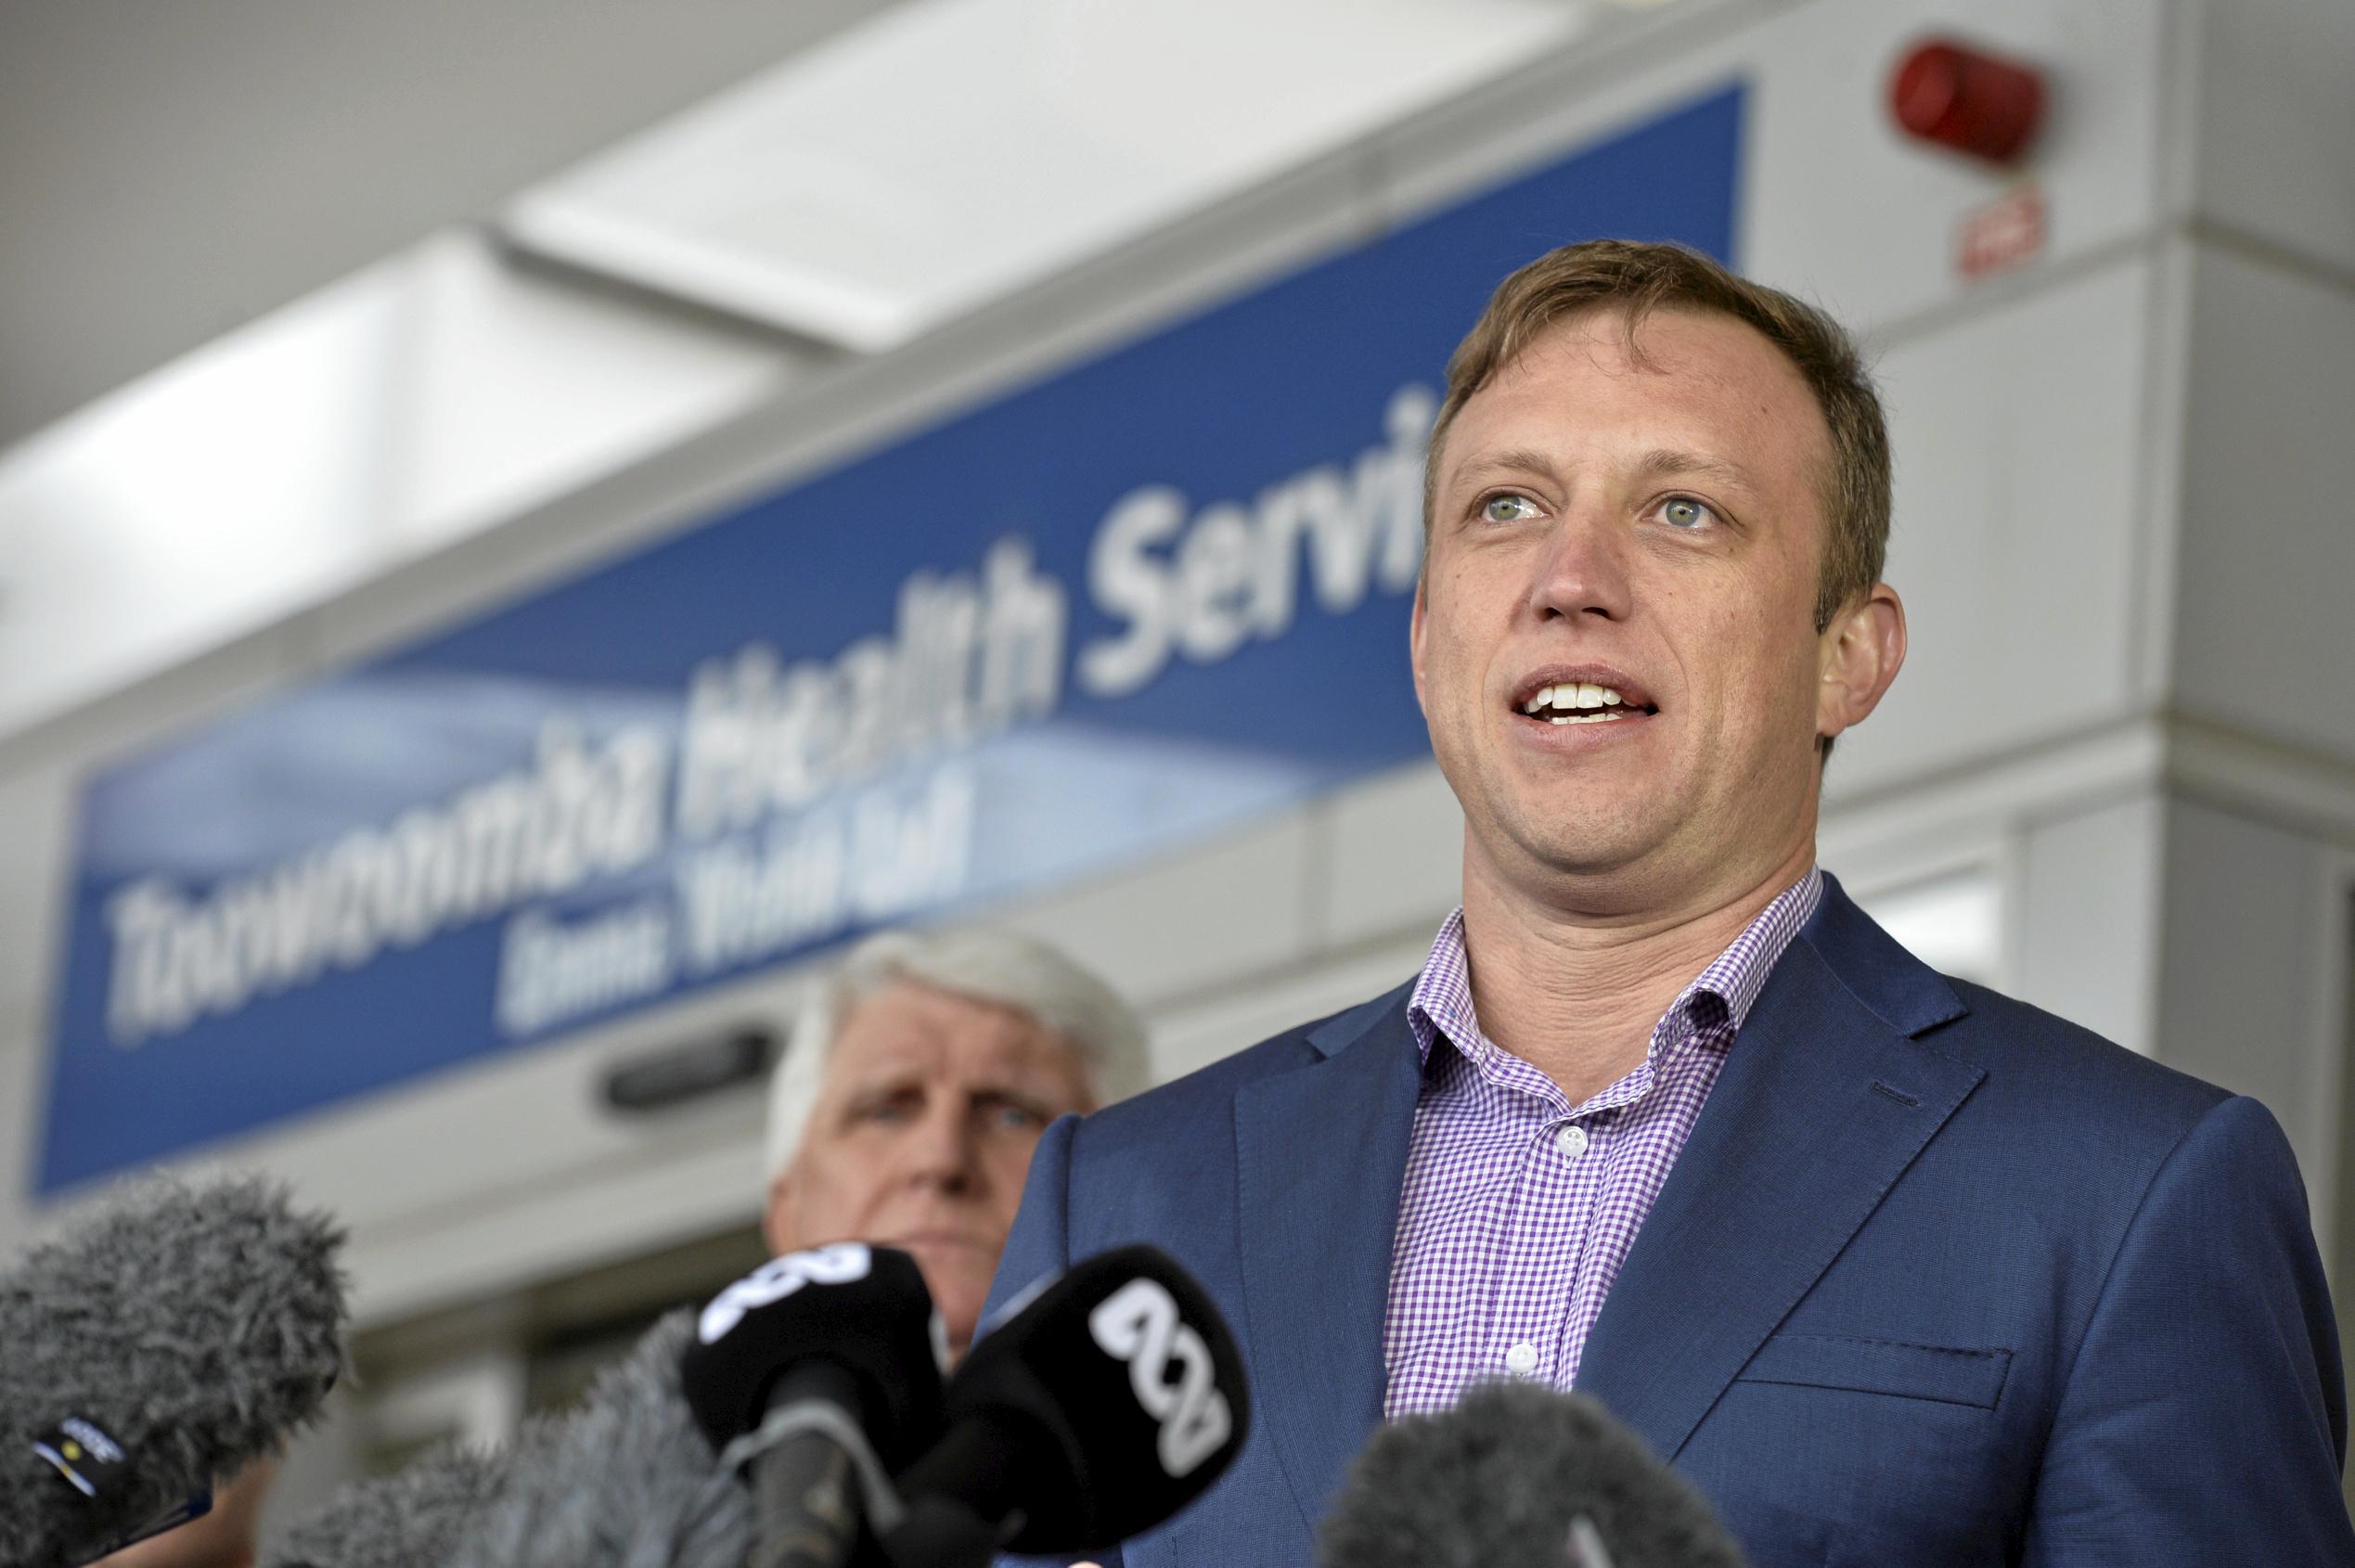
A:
<point x="805" y="1504"/>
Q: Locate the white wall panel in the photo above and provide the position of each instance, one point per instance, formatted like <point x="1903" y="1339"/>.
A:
<point x="2275" y="120"/>
<point x="34" y="814"/>
<point x="36" y="819"/>
<point x="1392" y="860"/>
<point x="517" y="388"/>
<point x="211" y="499"/>
<point x="2244" y="977"/>
<point x="2089" y="919"/>
<point x="2265" y="632"/>
<point x="2018" y="454"/>
<point x="24" y="1062"/>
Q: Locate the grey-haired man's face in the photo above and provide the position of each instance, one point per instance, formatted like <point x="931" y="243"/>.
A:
<point x="930" y="1108"/>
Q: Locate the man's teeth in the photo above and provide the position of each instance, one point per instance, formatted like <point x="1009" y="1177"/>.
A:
<point x="1567" y="701"/>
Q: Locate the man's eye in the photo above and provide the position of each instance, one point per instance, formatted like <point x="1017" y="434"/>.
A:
<point x="1508" y="508"/>
<point x="1683" y="511"/>
<point x="1017" y="1118"/>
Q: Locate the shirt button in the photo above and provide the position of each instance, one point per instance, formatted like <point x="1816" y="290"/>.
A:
<point x="1572" y="1141"/>
<point x="1521" y="1359"/>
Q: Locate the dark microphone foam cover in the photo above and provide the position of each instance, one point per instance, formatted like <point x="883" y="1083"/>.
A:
<point x="1495" y="1482"/>
<point x="857" y="1310"/>
<point x="1101" y="1407"/>
<point x="196" y="1326"/>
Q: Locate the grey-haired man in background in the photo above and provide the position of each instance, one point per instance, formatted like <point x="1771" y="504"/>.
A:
<point x="915" y="1083"/>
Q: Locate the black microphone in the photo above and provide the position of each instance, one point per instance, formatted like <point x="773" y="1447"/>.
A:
<point x="1519" y="1475"/>
<point x="822" y="1371"/>
<point x="1108" y="1400"/>
<point x="174" y="1336"/>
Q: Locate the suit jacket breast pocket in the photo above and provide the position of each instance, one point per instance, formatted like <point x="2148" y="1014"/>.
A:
<point x="1951" y="1374"/>
<point x="1834" y="1449"/>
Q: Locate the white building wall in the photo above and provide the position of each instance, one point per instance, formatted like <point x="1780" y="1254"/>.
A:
<point x="2245" y="965"/>
<point x="2265" y="627"/>
<point x="2269" y="126"/>
<point x="2257" y="877"/>
<point x="2090" y="917"/>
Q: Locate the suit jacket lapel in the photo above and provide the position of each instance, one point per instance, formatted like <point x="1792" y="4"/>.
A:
<point x="1825" y="1099"/>
<point x="1321" y="1155"/>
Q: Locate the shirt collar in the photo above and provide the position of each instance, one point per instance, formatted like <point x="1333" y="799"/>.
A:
<point x="1723" y="992"/>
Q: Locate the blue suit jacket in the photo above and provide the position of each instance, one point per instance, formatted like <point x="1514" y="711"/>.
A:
<point x="1938" y="1278"/>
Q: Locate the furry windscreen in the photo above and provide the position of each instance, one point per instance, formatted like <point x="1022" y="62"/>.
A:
<point x="195" y="1326"/>
<point x="625" y="1482"/>
<point x="1495" y="1482"/>
<point x="413" y="1518"/>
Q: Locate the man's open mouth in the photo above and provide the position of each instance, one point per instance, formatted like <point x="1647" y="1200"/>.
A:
<point x="1581" y="702"/>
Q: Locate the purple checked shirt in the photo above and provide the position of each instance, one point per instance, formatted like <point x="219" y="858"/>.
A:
<point x="1519" y="1207"/>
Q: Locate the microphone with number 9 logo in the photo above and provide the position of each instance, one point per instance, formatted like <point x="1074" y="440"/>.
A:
<point x="828" y="1362"/>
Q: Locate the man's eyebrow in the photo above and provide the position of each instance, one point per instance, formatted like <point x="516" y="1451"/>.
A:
<point x="1012" y="1094"/>
<point x="1668" y="462"/>
<point x="1518" y="460"/>
<point x="1661" y="462"/>
<point x="893" y="1083"/>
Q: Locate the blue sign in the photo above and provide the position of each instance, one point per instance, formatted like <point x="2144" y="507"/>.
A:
<point x="1138" y="602"/>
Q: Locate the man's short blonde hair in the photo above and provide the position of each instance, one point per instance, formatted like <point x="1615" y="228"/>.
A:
<point x="1637" y="278"/>
<point x="984" y="962"/>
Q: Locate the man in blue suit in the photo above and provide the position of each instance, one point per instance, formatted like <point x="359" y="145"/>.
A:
<point x="1898" y="1270"/>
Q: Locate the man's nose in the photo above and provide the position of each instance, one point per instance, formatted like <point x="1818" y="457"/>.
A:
<point x="1582" y="568"/>
<point x="943" y="1150"/>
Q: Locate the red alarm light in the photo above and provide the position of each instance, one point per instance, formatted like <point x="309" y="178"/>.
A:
<point x="1968" y="100"/>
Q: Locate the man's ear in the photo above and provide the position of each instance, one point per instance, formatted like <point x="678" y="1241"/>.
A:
<point x="1415" y="624"/>
<point x="1857" y="655"/>
<point x="777" y="1226"/>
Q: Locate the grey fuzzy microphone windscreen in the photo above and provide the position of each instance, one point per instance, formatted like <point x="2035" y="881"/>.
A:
<point x="414" y="1518"/>
<point x="627" y="1481"/>
<point x="1497" y="1482"/>
<point x="165" y="1341"/>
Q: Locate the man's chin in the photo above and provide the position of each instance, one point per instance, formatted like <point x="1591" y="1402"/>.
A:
<point x="1593" y="830"/>
<point x="957" y="1271"/>
<point x="1589" y="846"/>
